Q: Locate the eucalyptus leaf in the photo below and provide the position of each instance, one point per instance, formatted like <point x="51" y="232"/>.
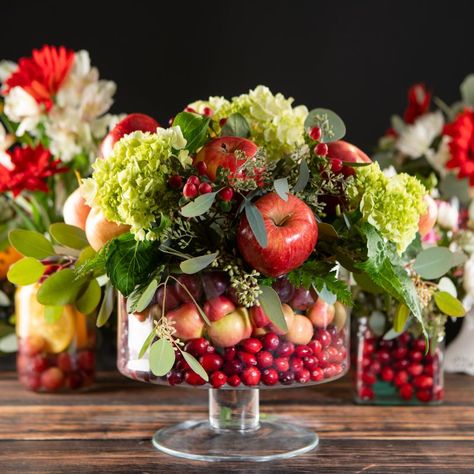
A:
<point x="198" y="307"/>
<point x="107" y="306"/>
<point x="196" y="264"/>
<point x="9" y="343"/>
<point x="26" y="271"/>
<point x="281" y="188"/>
<point x="303" y="177"/>
<point x="52" y="314"/>
<point x="447" y="285"/>
<point x="327" y="232"/>
<point x="31" y="243"/>
<point x="199" y="206"/>
<point x="256" y="222"/>
<point x="195" y="129"/>
<point x="377" y="322"/>
<point x="69" y="235"/>
<point x="90" y="298"/>
<point x="236" y="126"/>
<point x="326" y="295"/>
<point x="433" y="262"/>
<point x="467" y="90"/>
<point x="162" y="357"/>
<point x="331" y="125"/>
<point x="59" y="289"/>
<point x="271" y="304"/>
<point x="147" y="343"/>
<point x="449" y="305"/>
<point x="4" y="299"/>
<point x="147" y="296"/>
<point x="195" y="365"/>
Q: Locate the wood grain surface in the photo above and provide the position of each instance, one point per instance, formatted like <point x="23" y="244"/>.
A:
<point x="108" y="429"/>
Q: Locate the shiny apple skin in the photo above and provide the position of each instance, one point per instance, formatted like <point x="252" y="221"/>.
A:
<point x="75" y="210"/>
<point x="131" y="123"/>
<point x="289" y="244"/>
<point x="220" y="152"/>
<point x="346" y="151"/>
<point x="187" y="321"/>
<point x="99" y="230"/>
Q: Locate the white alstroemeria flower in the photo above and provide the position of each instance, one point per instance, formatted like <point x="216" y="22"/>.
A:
<point x="96" y="99"/>
<point x="390" y="171"/>
<point x="437" y="159"/>
<point x="22" y="108"/>
<point x="6" y="141"/>
<point x="7" y="68"/>
<point x="415" y="140"/>
<point x="448" y="214"/>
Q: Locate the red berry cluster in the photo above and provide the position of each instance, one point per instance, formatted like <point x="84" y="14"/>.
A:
<point x="401" y="362"/>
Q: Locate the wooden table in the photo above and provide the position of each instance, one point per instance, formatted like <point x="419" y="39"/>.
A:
<point x="108" y="430"/>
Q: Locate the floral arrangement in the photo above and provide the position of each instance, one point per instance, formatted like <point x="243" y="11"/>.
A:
<point x="223" y="235"/>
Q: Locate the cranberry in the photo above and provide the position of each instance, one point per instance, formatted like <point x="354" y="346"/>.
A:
<point x="366" y="362"/>
<point x="230" y="353"/>
<point x="287" y="378"/>
<point x="197" y="347"/>
<point x="193" y="379"/>
<point x="375" y="367"/>
<point x="339" y="342"/>
<point x="281" y="364"/>
<point x="234" y="380"/>
<point x="366" y="393"/>
<point x="226" y="194"/>
<point x="406" y="391"/>
<point x="193" y="180"/>
<point x="296" y="364"/>
<point x="333" y="354"/>
<point x="201" y="168"/>
<point x="401" y="364"/>
<point x="251" y="376"/>
<point x="316" y="374"/>
<point x="182" y="365"/>
<point x="429" y="370"/>
<point x="218" y="379"/>
<point x="424" y="395"/>
<point x="310" y="362"/>
<point x="331" y="370"/>
<point x="64" y="362"/>
<point x="175" y="377"/>
<point x="190" y="191"/>
<point x="315" y="134"/>
<point x="387" y="374"/>
<point x="252" y="345"/>
<point x="74" y="381"/>
<point x="175" y="181"/>
<point x="211" y="362"/>
<point x="415" y="369"/>
<point x="368" y="378"/>
<point x="39" y="363"/>
<point x="86" y="360"/>
<point x="324" y="337"/>
<point x="423" y="381"/>
<point x="336" y="165"/>
<point x="416" y="356"/>
<point x="247" y="358"/>
<point x="400" y="378"/>
<point x="270" y="376"/>
<point x="404" y="338"/>
<point x="210" y="349"/>
<point x="286" y="349"/>
<point x="400" y="352"/>
<point x="383" y="356"/>
<point x="270" y="341"/>
<point x="419" y="345"/>
<point x="52" y="379"/>
<point x="233" y="367"/>
<point x="303" y="376"/>
<point x="321" y="149"/>
<point x="323" y="359"/>
<point x="264" y="359"/>
<point x="439" y="394"/>
<point x="368" y="347"/>
<point x="303" y="351"/>
<point x="32" y="345"/>
<point x="315" y="346"/>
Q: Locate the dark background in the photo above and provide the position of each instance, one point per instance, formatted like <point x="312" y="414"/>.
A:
<point x="355" y="57"/>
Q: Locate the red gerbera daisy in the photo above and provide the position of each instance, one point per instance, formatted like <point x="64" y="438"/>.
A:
<point x="29" y="171"/>
<point x="419" y="99"/>
<point x="42" y="74"/>
<point x="461" y="146"/>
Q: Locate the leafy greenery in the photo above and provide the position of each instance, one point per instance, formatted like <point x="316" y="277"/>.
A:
<point x="194" y="129"/>
<point x="236" y="126"/>
<point x="434" y="262"/>
<point x="69" y="235"/>
<point x="449" y="305"/>
<point x="31" y="243"/>
<point x="256" y="222"/>
<point x="162" y="357"/>
<point x="331" y="125"/>
<point x="271" y="304"/>
<point x="59" y="289"/>
<point x="107" y="306"/>
<point x="196" y="264"/>
<point x="26" y="271"/>
<point x="281" y="188"/>
<point x="199" y="206"/>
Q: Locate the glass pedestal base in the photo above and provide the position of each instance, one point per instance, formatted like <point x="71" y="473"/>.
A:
<point x="234" y="432"/>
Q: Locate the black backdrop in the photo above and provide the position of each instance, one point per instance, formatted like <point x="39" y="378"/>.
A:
<point x="356" y="57"/>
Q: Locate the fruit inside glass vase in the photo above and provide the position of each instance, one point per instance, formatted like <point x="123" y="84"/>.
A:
<point x="241" y="347"/>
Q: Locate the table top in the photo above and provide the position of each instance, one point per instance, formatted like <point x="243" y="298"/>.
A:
<point x="108" y="429"/>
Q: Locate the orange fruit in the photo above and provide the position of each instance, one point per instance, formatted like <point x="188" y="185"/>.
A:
<point x="7" y="258"/>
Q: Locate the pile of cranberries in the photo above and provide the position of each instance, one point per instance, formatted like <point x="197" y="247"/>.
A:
<point x="42" y="371"/>
<point x="401" y="362"/>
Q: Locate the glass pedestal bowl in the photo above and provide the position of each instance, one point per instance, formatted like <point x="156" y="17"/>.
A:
<point x="261" y="360"/>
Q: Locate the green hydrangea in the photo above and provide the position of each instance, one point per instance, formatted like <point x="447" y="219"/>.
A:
<point x="392" y="205"/>
<point x="130" y="186"/>
<point x="274" y="123"/>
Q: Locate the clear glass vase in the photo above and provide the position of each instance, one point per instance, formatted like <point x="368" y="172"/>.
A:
<point x="237" y="369"/>
<point x="55" y="352"/>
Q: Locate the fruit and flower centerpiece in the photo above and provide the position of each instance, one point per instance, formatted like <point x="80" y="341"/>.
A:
<point x="53" y="116"/>
<point x="224" y="235"/>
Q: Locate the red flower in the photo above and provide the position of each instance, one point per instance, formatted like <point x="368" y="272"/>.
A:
<point x="461" y="146"/>
<point x="29" y="171"/>
<point x="419" y="99"/>
<point x="42" y="74"/>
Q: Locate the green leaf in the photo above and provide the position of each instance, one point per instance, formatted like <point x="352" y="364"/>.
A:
<point x="86" y="255"/>
<point x="198" y="307"/>
<point x="331" y="125"/>
<point x="401" y="317"/>
<point x="129" y="262"/>
<point x="161" y="357"/>
<point x="433" y="262"/>
<point x="236" y="126"/>
<point x="52" y="314"/>
<point x="199" y="206"/>
<point x="196" y="264"/>
<point x="59" y="289"/>
<point x="195" y="365"/>
<point x="377" y="322"/>
<point x="90" y="298"/>
<point x="195" y="129"/>
<point x="147" y="343"/>
<point x="326" y="295"/>
<point x="107" y="306"/>
<point x="146" y="297"/>
<point x="256" y="222"/>
<point x="327" y="232"/>
<point x="281" y="188"/>
<point x="303" y="177"/>
<point x="8" y="343"/>
<point x="467" y="90"/>
<point x="26" y="271"/>
<point x="31" y="243"/>
<point x="271" y="304"/>
<point x="449" y="305"/>
<point x="69" y="235"/>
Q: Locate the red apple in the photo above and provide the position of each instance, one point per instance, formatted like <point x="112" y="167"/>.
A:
<point x="428" y="219"/>
<point x="99" y="230"/>
<point x="231" y="329"/>
<point x="218" y="307"/>
<point x="75" y="210"/>
<point x="258" y="317"/>
<point x="347" y="152"/>
<point x="301" y="331"/>
<point x="187" y="322"/>
<point x="289" y="318"/>
<point x="220" y="152"/>
<point x="292" y="233"/>
<point x="129" y="124"/>
<point x="321" y="314"/>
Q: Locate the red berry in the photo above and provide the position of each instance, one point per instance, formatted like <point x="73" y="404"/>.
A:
<point x="281" y="364"/>
<point x="175" y="181"/>
<point x="419" y="345"/>
<point x="222" y="121"/>
<point x="211" y="362"/>
<point x="52" y="379"/>
<point x="205" y="188"/>
<point x="439" y="394"/>
<point x="321" y="149"/>
<point x="296" y="364"/>
<point x="423" y="381"/>
<point x="226" y="194"/>
<point x="193" y="180"/>
<point x="366" y="393"/>
<point x="415" y="369"/>
<point x="192" y="378"/>
<point x="406" y="391"/>
<point x="368" y="378"/>
<point x="31" y="382"/>
<point x="32" y="345"/>
<point x="400" y="352"/>
<point x="247" y="358"/>
<point x="264" y="359"/>
<point x="429" y="370"/>
<point x="366" y="362"/>
<point x="303" y="351"/>
<point x="404" y="338"/>
<point x="401" y="364"/>
<point x="233" y="367"/>
<point x="86" y="360"/>
<point x="416" y="356"/>
<point x="303" y="376"/>
<point x="182" y="365"/>
<point x="234" y="380"/>
<point x="315" y="346"/>
<point x="387" y="374"/>
<point x="218" y="379"/>
<point x="368" y="348"/>
<point x="201" y="168"/>
<point x="336" y="165"/>
<point x="286" y="349"/>
<point x="39" y="363"/>
<point x="333" y="354"/>
<point x="64" y="362"/>
<point x="315" y="133"/>
<point x="310" y="362"/>
<point x="229" y="353"/>
<point x="323" y="359"/>
<point x="197" y="347"/>
<point x="400" y="378"/>
<point x="316" y="374"/>
<point x="251" y="376"/>
<point x="375" y="367"/>
<point x="74" y="381"/>
<point x="175" y="377"/>
<point x="207" y="111"/>
<point x="252" y="345"/>
<point x="424" y="395"/>
<point x="270" y="341"/>
<point x="190" y="110"/>
<point x="269" y="376"/>
<point x="190" y="191"/>
<point x="383" y="356"/>
<point x="324" y="337"/>
<point x="287" y="378"/>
